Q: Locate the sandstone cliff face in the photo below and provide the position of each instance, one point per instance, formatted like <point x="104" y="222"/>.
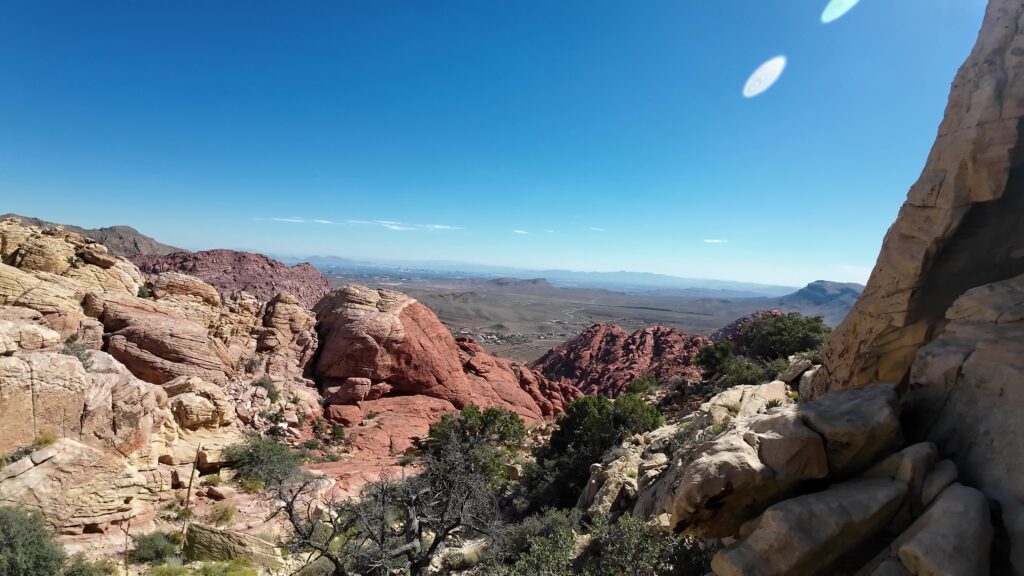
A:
<point x="606" y="359"/>
<point x="389" y="368"/>
<point x="230" y="272"/>
<point x="940" y="313"/>
<point x="960" y="225"/>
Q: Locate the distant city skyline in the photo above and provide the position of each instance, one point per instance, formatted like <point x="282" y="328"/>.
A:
<point x="730" y="140"/>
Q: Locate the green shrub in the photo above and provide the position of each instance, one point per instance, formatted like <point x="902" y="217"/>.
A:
<point x="740" y="370"/>
<point x="265" y="460"/>
<point x="337" y="432"/>
<point x="236" y="567"/>
<point x="144" y="292"/>
<point x="223" y="513"/>
<point x="44" y="439"/>
<point x="81" y="566"/>
<point x="252" y="486"/>
<point x="628" y="546"/>
<point x="771" y="337"/>
<point x="273" y="394"/>
<point x="642" y="385"/>
<point x="72" y="347"/>
<point x="27" y="544"/>
<point x="813" y="356"/>
<point x="485" y="437"/>
<point x="590" y="427"/>
<point x="168" y="569"/>
<point x="211" y="480"/>
<point x="154" y="548"/>
<point x="539" y="545"/>
<point x="712" y="359"/>
<point x="775" y="403"/>
<point x="311" y="444"/>
<point x="319" y="426"/>
<point x="776" y="367"/>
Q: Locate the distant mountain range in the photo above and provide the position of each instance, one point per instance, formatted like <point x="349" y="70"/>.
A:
<point x="633" y="282"/>
<point x="129" y="242"/>
<point x="120" y="240"/>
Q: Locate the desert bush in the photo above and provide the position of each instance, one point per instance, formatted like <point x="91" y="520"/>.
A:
<point x="273" y="394"/>
<point x="485" y="438"/>
<point x="144" y="292"/>
<point x="337" y="433"/>
<point x="79" y="565"/>
<point x="514" y="540"/>
<point x="546" y="548"/>
<point x="590" y="427"/>
<point x="27" y="546"/>
<point x="236" y="567"/>
<point x="73" y="347"/>
<point x="173" y="568"/>
<point x="154" y="548"/>
<point x="813" y="355"/>
<point x="642" y="385"/>
<point x="319" y="427"/>
<point x="629" y="546"/>
<point x="223" y="513"/>
<point x="311" y="444"/>
<point x="211" y="480"/>
<point x="774" y="403"/>
<point x="740" y="370"/>
<point x="771" y="337"/>
<point x="264" y="460"/>
<point x="44" y="439"/>
<point x="712" y="359"/>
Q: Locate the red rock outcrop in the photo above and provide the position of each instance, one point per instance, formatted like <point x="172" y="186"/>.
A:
<point x="230" y="271"/>
<point x="390" y="369"/>
<point x="605" y="359"/>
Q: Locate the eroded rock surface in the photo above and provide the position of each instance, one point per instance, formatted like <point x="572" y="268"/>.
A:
<point x="605" y="359"/>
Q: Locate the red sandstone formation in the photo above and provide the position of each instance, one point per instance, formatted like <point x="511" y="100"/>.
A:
<point x="230" y="272"/>
<point x="389" y="369"/>
<point x="605" y="359"/>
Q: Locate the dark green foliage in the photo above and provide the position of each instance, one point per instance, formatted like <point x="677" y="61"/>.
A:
<point x="537" y="545"/>
<point x="337" y="432"/>
<point x="771" y="337"/>
<point x="628" y="546"/>
<point x="145" y="291"/>
<point x="154" y="548"/>
<point x="273" y="394"/>
<point x="263" y="460"/>
<point x="642" y="385"/>
<point x="742" y="370"/>
<point x="27" y="545"/>
<point x="484" y="438"/>
<point x="712" y="359"/>
<point x="591" y="426"/>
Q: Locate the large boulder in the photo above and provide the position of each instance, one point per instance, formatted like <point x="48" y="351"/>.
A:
<point x="287" y="339"/>
<point x="726" y="474"/>
<point x="158" y="343"/>
<point x="78" y="488"/>
<point x="964" y="395"/>
<point x="388" y="337"/>
<point x="198" y="404"/>
<point x="208" y="543"/>
<point x="605" y="359"/>
<point x="804" y="535"/>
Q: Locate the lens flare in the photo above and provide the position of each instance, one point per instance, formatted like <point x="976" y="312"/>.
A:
<point x="765" y="75"/>
<point x="836" y="9"/>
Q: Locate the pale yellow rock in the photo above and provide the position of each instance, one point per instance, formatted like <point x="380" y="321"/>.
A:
<point x="804" y="535"/>
<point x="745" y="400"/>
<point x="952" y="538"/>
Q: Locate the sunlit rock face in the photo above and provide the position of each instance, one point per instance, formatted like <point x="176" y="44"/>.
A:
<point x="941" y="311"/>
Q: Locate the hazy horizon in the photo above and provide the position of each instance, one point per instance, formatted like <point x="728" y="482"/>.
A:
<point x="578" y="136"/>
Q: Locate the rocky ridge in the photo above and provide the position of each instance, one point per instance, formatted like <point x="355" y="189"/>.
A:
<point x="123" y="241"/>
<point x="232" y="272"/>
<point x="605" y="359"/>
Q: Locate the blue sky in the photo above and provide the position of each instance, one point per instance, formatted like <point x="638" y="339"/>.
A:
<point x="588" y="134"/>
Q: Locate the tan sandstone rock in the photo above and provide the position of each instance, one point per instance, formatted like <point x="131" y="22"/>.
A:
<point x="804" y="535"/>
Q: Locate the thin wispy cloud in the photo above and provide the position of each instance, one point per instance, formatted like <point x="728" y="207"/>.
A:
<point x="715" y="241"/>
<point x="397" y="227"/>
<point x="297" y="219"/>
<point x="442" y="227"/>
<point x="388" y="222"/>
<point x="358" y="222"/>
<point x="322" y="221"/>
<point x="520" y="232"/>
<point x="597" y="229"/>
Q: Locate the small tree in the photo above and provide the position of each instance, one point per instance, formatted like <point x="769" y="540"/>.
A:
<point x="263" y="460"/>
<point x="27" y="544"/>
<point x="771" y="337"/>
